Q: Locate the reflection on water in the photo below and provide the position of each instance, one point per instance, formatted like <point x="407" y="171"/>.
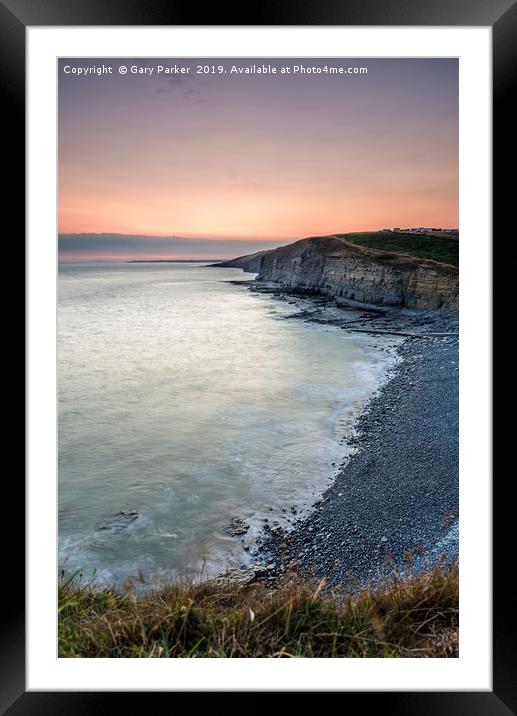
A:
<point x="189" y="399"/>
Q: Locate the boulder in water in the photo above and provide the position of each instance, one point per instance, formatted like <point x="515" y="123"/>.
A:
<point x="236" y="527"/>
<point x="117" y="521"/>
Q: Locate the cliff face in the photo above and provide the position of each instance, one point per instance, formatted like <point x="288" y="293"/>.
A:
<point x="333" y="266"/>
<point x="250" y="262"/>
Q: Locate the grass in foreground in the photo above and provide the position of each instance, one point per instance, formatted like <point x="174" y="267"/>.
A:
<point x="437" y="248"/>
<point x="414" y="617"/>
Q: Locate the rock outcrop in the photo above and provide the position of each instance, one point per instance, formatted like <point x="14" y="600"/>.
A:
<point x="236" y="527"/>
<point x="333" y="266"/>
<point x="117" y="521"/>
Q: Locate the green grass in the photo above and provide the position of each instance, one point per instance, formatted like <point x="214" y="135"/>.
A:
<point x="413" y="617"/>
<point x="437" y="248"/>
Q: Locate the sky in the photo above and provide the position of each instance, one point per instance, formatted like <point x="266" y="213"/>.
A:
<point x="169" y="164"/>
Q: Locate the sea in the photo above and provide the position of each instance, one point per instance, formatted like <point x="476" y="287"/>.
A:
<point x="185" y="402"/>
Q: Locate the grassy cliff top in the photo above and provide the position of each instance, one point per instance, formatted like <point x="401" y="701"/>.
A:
<point x="421" y="246"/>
<point x="411" y="617"/>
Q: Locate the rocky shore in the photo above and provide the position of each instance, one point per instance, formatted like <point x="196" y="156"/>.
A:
<point x="394" y="504"/>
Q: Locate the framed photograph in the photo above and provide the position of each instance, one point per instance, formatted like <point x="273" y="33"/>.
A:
<point x="259" y="352"/>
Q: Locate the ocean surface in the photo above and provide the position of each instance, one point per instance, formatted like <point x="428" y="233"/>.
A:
<point x="192" y="401"/>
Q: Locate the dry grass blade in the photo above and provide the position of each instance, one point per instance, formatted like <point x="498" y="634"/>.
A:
<point x="409" y="617"/>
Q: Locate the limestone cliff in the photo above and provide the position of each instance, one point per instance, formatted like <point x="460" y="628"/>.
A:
<point x="250" y="262"/>
<point x="334" y="266"/>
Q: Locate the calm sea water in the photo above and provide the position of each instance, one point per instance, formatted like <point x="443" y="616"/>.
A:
<point x="192" y="401"/>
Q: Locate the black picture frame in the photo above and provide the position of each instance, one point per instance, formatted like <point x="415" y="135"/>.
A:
<point x="15" y="17"/>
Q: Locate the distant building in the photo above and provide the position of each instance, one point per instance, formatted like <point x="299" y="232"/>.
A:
<point x="421" y="230"/>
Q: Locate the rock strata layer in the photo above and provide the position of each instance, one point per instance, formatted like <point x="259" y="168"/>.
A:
<point x="332" y="266"/>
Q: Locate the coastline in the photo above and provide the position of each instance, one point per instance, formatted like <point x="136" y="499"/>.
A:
<point x="393" y="505"/>
<point x="322" y="587"/>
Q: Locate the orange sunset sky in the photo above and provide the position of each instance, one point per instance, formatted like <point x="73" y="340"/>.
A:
<point x="228" y="159"/>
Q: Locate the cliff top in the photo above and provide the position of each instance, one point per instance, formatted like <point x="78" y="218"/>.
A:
<point x="413" y="250"/>
<point x="442" y="249"/>
<point x="239" y="261"/>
